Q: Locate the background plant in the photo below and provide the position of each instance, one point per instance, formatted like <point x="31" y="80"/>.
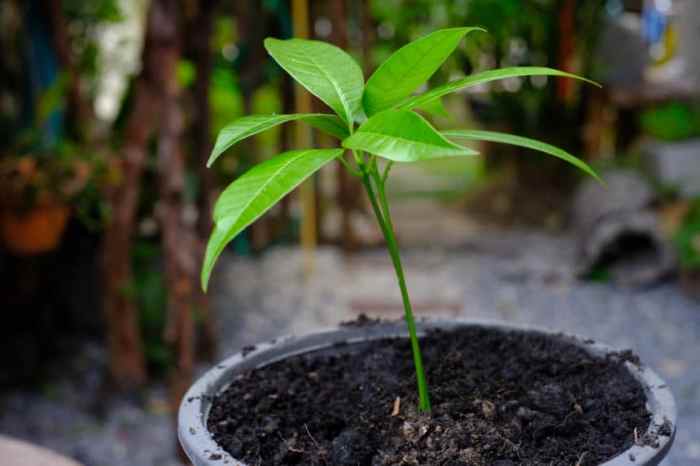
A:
<point x="373" y="120"/>
<point x="687" y="238"/>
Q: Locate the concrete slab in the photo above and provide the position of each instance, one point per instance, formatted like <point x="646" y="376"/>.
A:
<point x="18" y="453"/>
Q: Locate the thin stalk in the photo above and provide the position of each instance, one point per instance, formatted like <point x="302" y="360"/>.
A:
<point x="387" y="169"/>
<point x="381" y="192"/>
<point x="384" y="219"/>
<point x="349" y="167"/>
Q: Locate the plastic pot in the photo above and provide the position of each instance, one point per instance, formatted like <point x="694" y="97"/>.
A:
<point x="34" y="232"/>
<point x="194" y="410"/>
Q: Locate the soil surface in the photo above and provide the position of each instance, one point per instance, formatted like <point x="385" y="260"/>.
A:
<point x="499" y="399"/>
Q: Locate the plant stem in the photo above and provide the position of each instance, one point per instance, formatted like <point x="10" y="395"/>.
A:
<point x="384" y="219"/>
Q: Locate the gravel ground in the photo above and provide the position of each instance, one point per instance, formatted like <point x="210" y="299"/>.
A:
<point x="514" y="276"/>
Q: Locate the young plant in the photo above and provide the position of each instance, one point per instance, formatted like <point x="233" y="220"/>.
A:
<point x="373" y="119"/>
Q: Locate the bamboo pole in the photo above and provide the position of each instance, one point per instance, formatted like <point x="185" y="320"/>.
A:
<point x="302" y="101"/>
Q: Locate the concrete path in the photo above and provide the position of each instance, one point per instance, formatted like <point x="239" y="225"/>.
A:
<point x="454" y="268"/>
<point x="17" y="453"/>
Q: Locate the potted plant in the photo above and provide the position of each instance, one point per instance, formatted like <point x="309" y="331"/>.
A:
<point x="36" y="191"/>
<point x="489" y="394"/>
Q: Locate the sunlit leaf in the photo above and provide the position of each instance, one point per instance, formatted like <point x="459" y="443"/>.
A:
<point x="409" y="67"/>
<point x="482" y="78"/>
<point x="403" y="136"/>
<point x="250" y="125"/>
<point x="324" y="70"/>
<point x="255" y="192"/>
<point x="478" y="135"/>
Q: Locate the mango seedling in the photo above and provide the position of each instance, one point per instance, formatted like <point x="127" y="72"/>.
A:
<point x="371" y="120"/>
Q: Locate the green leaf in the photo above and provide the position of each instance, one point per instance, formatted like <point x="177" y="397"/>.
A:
<point x="435" y="108"/>
<point x="477" y="135"/>
<point x="255" y="192"/>
<point x="250" y="125"/>
<point x="325" y="70"/>
<point x="409" y="67"/>
<point x="403" y="136"/>
<point x="484" y="77"/>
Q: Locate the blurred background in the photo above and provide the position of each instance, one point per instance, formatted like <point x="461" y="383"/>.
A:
<point x="108" y="112"/>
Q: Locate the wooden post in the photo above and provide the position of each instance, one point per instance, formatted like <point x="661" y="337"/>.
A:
<point x="300" y="19"/>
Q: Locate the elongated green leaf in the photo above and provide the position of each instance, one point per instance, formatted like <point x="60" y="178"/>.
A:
<point x="409" y="67"/>
<point x="255" y="192"/>
<point x="481" y="78"/>
<point x="403" y="136"/>
<point x="325" y="70"/>
<point x="248" y="126"/>
<point x="477" y="135"/>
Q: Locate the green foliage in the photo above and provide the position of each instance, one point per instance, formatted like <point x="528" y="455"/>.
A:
<point x="672" y="122"/>
<point x="435" y="107"/>
<point x="250" y="125"/>
<point x="257" y="191"/>
<point x="408" y="68"/>
<point x="150" y="293"/>
<point x="402" y="136"/>
<point x="687" y="239"/>
<point x="186" y="73"/>
<point x="394" y="132"/>
<point x="520" y="141"/>
<point x="225" y="99"/>
<point x="324" y="70"/>
<point x="482" y="78"/>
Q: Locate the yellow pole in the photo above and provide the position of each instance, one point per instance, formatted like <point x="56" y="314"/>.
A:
<point x="302" y="102"/>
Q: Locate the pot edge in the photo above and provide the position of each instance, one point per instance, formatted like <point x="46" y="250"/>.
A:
<point x="204" y="451"/>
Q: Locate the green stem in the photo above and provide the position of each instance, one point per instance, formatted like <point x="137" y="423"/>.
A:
<point x="384" y="219"/>
<point x="349" y="167"/>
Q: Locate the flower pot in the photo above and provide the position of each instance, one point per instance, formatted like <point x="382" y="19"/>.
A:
<point x="36" y="231"/>
<point x="197" y="403"/>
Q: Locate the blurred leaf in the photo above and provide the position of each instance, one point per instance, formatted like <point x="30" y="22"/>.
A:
<point x="687" y="238"/>
<point x="403" y="136"/>
<point x="186" y="73"/>
<point x="250" y="125"/>
<point x="324" y="70"/>
<point x="671" y="122"/>
<point x="254" y="193"/>
<point x="520" y="141"/>
<point x="225" y="99"/>
<point x="409" y="67"/>
<point x="52" y="99"/>
<point x="482" y="78"/>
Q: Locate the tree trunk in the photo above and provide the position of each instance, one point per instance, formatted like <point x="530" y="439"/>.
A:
<point x="251" y="22"/>
<point x="178" y="237"/>
<point x="201" y="137"/>
<point x="127" y="364"/>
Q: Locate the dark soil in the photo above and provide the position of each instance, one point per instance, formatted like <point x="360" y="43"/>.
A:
<point x="499" y="399"/>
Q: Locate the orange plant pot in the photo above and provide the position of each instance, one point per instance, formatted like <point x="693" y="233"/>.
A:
<point x="34" y="232"/>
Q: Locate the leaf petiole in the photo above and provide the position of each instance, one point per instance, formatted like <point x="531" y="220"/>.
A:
<point x="354" y="171"/>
